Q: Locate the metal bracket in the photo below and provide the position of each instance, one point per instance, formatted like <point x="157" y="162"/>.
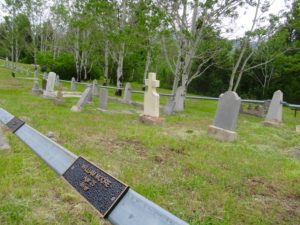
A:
<point x="15" y="124"/>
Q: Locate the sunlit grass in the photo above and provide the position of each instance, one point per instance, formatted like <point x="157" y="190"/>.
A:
<point x="255" y="180"/>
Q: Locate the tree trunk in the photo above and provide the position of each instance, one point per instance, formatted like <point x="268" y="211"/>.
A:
<point x="120" y="66"/>
<point x="106" y="62"/>
<point x="148" y="62"/>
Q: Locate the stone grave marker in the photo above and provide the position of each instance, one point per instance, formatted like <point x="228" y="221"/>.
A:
<point x="6" y="62"/>
<point x="127" y="94"/>
<point x="57" y="81"/>
<point x="28" y="72"/>
<point x="35" y="89"/>
<point x="73" y="84"/>
<point x="49" y="92"/>
<point x="59" y="100"/>
<point x="151" y="101"/>
<point x="103" y="96"/>
<point x="95" y="88"/>
<point x="274" y="115"/>
<point x="83" y="100"/>
<point x="179" y="99"/>
<point x="224" y="125"/>
<point x="36" y="74"/>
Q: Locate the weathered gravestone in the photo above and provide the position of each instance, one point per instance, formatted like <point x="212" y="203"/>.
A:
<point x="36" y="74"/>
<point x="83" y="100"/>
<point x="57" y="81"/>
<point x="225" y="121"/>
<point x="274" y="115"/>
<point x="35" y="89"/>
<point x="73" y="84"/>
<point x="59" y="100"/>
<point x="90" y="97"/>
<point x="3" y="141"/>
<point x="28" y="72"/>
<point x="6" y="62"/>
<point x="151" y="101"/>
<point x="127" y="94"/>
<point x="103" y="98"/>
<point x="179" y="99"/>
<point x="95" y="88"/>
<point x="49" y="92"/>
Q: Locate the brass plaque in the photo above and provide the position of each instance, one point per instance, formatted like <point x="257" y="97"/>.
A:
<point x="15" y="124"/>
<point x="99" y="188"/>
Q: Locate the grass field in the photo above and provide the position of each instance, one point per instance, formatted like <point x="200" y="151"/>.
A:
<point x="255" y="180"/>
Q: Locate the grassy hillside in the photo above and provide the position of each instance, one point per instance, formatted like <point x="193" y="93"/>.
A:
<point x="255" y="180"/>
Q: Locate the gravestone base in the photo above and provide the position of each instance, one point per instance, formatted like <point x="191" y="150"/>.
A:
<point x="47" y="94"/>
<point x="222" y="134"/>
<point x="151" y="120"/>
<point x="298" y="129"/>
<point x="272" y="123"/>
<point x="75" y="108"/>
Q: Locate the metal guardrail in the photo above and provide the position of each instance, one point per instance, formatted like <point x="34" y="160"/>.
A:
<point x="132" y="209"/>
<point x="295" y="106"/>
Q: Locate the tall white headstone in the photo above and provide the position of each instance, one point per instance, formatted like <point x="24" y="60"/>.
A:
<point x="95" y="88"/>
<point x="49" y="92"/>
<point x="274" y="115"/>
<point x="151" y="101"/>
<point x="224" y="125"/>
<point x="151" y="97"/>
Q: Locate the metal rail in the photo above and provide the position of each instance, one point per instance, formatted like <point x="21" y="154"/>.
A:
<point x="133" y="209"/>
<point x="295" y="106"/>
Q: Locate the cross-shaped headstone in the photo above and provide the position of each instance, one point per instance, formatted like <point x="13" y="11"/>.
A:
<point x="151" y="97"/>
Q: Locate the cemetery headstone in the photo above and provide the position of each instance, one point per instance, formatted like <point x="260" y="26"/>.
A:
<point x="95" y="88"/>
<point x="3" y="141"/>
<point x="73" y="84"/>
<point x="90" y="97"/>
<point x="83" y="100"/>
<point x="151" y="101"/>
<point x="28" y="72"/>
<point x="127" y="94"/>
<point x="179" y="99"/>
<point x="6" y="62"/>
<point x="35" y="89"/>
<point x="57" y="81"/>
<point x="36" y="74"/>
<point x="224" y="125"/>
<point x="59" y="100"/>
<point x="274" y="115"/>
<point x="103" y="96"/>
<point x="49" y="92"/>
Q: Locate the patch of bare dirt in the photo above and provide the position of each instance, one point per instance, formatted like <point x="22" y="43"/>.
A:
<point x="268" y="195"/>
<point x="114" y="144"/>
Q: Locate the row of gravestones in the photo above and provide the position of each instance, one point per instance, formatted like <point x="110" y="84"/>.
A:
<point x="224" y="124"/>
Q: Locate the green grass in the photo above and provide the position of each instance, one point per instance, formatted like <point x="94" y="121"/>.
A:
<point x="255" y="180"/>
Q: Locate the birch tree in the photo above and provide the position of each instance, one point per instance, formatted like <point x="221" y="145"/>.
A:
<point x="190" y="22"/>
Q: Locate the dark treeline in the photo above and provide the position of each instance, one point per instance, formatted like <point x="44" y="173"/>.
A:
<point x="182" y="41"/>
